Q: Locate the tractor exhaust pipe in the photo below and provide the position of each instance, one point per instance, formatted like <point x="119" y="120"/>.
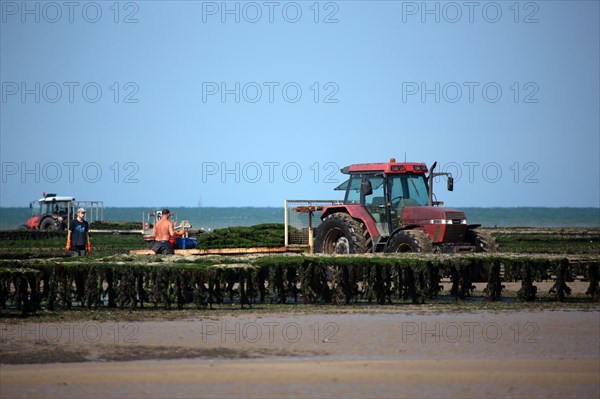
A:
<point x="432" y="174"/>
<point x="430" y="201"/>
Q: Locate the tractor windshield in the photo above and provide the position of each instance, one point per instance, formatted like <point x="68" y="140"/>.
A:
<point x="408" y="189"/>
<point x="36" y="208"/>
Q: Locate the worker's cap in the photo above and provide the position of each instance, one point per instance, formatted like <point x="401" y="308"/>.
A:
<point x="81" y="210"/>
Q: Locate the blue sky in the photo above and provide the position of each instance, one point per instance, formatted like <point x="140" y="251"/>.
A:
<point x="155" y="103"/>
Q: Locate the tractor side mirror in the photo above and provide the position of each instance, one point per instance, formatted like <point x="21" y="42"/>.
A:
<point x="450" y="183"/>
<point x="366" y="188"/>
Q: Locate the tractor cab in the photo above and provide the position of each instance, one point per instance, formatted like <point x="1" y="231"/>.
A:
<point x="384" y="195"/>
<point x="58" y="206"/>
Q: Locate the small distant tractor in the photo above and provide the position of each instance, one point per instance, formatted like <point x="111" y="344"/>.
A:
<point x="390" y="207"/>
<point x="53" y="213"/>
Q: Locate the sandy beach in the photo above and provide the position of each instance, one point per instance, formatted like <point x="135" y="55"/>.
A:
<point x="390" y="353"/>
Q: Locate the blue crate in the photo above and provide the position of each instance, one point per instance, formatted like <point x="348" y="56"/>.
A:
<point x="185" y="243"/>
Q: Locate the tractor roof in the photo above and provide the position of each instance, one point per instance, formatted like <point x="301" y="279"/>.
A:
<point x="386" y="167"/>
<point x="56" y="199"/>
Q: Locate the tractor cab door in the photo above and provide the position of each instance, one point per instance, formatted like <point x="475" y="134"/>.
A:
<point x="405" y="190"/>
<point x="36" y="208"/>
<point x="47" y="208"/>
<point x="373" y="190"/>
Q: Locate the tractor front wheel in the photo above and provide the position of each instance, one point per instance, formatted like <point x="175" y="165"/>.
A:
<point x="481" y="240"/>
<point x="341" y="234"/>
<point x="409" y="241"/>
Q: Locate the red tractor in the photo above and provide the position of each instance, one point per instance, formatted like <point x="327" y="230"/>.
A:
<point x="51" y="213"/>
<point x="390" y="207"/>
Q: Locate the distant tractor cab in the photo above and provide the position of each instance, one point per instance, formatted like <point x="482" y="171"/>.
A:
<point x="53" y="213"/>
<point x="390" y="207"/>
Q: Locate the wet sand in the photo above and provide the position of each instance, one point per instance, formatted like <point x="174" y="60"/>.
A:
<point x="359" y="354"/>
<point x="305" y="378"/>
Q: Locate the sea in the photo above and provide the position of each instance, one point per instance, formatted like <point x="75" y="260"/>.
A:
<point x="210" y="218"/>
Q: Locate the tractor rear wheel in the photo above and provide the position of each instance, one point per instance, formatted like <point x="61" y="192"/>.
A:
<point x="48" y="224"/>
<point x="482" y="240"/>
<point x="341" y="234"/>
<point x="409" y="241"/>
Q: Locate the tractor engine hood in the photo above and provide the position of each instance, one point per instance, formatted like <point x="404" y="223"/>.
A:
<point x="33" y="223"/>
<point x="423" y="215"/>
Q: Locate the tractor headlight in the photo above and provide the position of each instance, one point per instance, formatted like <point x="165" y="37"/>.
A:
<point x="448" y="221"/>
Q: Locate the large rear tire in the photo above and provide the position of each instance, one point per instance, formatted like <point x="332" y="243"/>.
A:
<point x="482" y="240"/>
<point x="341" y="234"/>
<point x="409" y="241"/>
<point x="49" y="224"/>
